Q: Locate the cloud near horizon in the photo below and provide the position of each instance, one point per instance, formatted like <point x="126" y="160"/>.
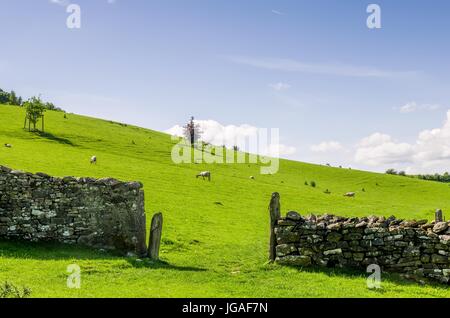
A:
<point x="429" y="153"/>
<point x="230" y="135"/>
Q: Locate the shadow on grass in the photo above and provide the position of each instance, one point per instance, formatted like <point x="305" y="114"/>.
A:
<point x="58" y="251"/>
<point x="153" y="264"/>
<point x="52" y="137"/>
<point x="51" y="251"/>
<point x="394" y="278"/>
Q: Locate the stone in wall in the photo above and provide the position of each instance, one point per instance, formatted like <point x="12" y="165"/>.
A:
<point x="416" y="248"/>
<point x="104" y="213"/>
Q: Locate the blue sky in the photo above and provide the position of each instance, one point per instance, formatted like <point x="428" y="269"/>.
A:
<point x="339" y="92"/>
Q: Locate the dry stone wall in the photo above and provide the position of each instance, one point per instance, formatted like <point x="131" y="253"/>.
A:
<point x="416" y="248"/>
<point x="105" y="213"/>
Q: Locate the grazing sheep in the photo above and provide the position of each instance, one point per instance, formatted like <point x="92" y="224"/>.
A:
<point x="94" y="160"/>
<point x="205" y="174"/>
<point x="350" y="194"/>
<point x="252" y="177"/>
<point x="8" y="145"/>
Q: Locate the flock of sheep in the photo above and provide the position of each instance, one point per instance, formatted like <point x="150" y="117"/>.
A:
<point x="207" y="175"/>
<point x="204" y="174"/>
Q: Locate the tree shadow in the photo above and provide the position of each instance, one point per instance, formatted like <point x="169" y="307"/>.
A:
<point x="160" y="264"/>
<point x="54" y="138"/>
<point x="58" y="251"/>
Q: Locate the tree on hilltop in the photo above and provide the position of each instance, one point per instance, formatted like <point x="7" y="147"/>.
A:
<point x="14" y="99"/>
<point x="4" y="97"/>
<point x="192" y="131"/>
<point x="35" y="109"/>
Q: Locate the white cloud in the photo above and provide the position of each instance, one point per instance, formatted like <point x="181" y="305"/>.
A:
<point x="327" y="146"/>
<point x="379" y="149"/>
<point x="288" y="65"/>
<point x="280" y="86"/>
<point x="63" y="3"/>
<point x="414" y="107"/>
<point x="277" y="12"/>
<point x="230" y="135"/>
<point x="429" y="153"/>
<point x="375" y="139"/>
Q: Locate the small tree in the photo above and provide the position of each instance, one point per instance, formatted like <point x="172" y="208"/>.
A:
<point x="192" y="132"/>
<point x="4" y="97"/>
<point x="391" y="171"/>
<point x="14" y="100"/>
<point x="34" y="111"/>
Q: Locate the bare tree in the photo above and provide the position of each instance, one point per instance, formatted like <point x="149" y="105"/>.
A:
<point x="192" y="131"/>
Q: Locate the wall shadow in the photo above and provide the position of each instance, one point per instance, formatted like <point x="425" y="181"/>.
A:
<point x="58" y="251"/>
<point x="391" y="277"/>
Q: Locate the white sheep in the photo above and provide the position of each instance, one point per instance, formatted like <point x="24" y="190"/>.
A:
<point x="94" y="160"/>
<point x="8" y="145"/>
<point x="205" y="174"/>
<point x="350" y="194"/>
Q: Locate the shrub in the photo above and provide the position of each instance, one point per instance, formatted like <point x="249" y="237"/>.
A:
<point x="391" y="171"/>
<point x="9" y="290"/>
<point x="436" y="177"/>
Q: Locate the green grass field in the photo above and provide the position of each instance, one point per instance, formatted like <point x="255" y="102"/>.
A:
<point x="208" y="249"/>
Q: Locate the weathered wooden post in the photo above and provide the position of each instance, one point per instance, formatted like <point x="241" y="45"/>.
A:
<point x="438" y="217"/>
<point x="155" y="236"/>
<point x="274" y="209"/>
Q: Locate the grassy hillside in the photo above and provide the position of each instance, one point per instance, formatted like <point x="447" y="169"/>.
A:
<point x="210" y="249"/>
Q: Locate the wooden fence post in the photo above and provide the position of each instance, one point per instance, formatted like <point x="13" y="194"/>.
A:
<point x="274" y="209"/>
<point x="438" y="216"/>
<point x="155" y="236"/>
